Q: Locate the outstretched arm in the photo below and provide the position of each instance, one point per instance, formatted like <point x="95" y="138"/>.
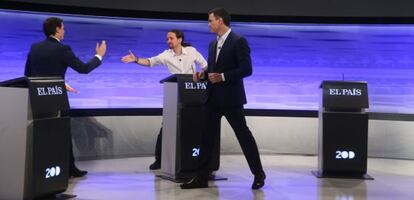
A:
<point x="81" y="67"/>
<point x="132" y="58"/>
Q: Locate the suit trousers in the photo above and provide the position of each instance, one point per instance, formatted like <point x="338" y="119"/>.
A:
<point x="236" y="118"/>
<point x="72" y="165"/>
<point x="157" y="152"/>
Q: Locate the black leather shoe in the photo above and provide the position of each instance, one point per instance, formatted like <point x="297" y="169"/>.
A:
<point x="259" y="181"/>
<point x="196" y="182"/>
<point x="76" y="173"/>
<point x="155" y="165"/>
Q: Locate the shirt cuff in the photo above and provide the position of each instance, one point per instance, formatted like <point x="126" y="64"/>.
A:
<point x="99" y="57"/>
<point x="222" y="77"/>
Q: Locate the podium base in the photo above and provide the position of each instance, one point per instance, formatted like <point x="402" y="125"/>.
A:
<point x="184" y="180"/>
<point x="344" y="176"/>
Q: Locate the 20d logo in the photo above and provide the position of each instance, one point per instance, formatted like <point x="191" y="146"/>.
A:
<point x="345" y="155"/>
<point x="196" y="152"/>
<point x="52" y="172"/>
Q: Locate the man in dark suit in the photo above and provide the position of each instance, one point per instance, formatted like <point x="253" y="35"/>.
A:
<point x="228" y="63"/>
<point x="52" y="58"/>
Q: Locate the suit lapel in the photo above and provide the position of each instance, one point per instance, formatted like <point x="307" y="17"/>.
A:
<point x="225" y="46"/>
<point x="212" y="56"/>
<point x="215" y="51"/>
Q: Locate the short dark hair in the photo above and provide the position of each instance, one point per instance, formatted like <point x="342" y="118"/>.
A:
<point x="50" y="25"/>
<point x="222" y="13"/>
<point x="179" y="34"/>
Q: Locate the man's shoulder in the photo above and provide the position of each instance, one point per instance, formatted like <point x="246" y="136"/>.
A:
<point x="40" y="43"/>
<point x="166" y="52"/>
<point x="235" y="36"/>
<point x="212" y="43"/>
<point x="190" y="49"/>
<point x="47" y="43"/>
<point x="237" y="39"/>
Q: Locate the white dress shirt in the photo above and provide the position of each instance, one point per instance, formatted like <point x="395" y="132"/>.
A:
<point x="220" y="42"/>
<point x="185" y="63"/>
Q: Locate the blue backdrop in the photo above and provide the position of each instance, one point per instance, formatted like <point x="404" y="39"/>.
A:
<point x="289" y="60"/>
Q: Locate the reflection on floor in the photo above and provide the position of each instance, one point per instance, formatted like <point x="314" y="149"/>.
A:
<point x="288" y="177"/>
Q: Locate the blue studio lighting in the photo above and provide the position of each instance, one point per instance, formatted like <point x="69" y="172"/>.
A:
<point x="289" y="60"/>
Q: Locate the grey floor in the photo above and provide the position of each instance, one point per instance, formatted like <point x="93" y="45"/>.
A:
<point x="288" y="177"/>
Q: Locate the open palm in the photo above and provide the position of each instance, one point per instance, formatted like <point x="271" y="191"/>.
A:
<point x="129" y="58"/>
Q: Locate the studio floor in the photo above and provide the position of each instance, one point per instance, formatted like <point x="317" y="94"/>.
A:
<point x="288" y="177"/>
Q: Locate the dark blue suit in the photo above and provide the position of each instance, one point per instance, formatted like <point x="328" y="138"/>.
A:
<point x="52" y="58"/>
<point x="227" y="99"/>
<point x="234" y="61"/>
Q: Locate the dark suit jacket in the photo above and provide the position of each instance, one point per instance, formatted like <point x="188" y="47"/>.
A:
<point x="235" y="62"/>
<point x="52" y="58"/>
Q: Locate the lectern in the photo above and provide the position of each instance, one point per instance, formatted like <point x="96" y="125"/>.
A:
<point x="34" y="138"/>
<point x="343" y="130"/>
<point x="182" y="127"/>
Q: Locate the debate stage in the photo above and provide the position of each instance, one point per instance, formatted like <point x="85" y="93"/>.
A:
<point x="118" y="112"/>
<point x="288" y="177"/>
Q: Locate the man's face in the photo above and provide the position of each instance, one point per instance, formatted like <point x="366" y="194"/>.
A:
<point x="172" y="40"/>
<point x="214" y="23"/>
<point x="60" y="32"/>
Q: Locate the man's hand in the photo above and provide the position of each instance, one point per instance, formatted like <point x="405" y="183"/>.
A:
<point x="101" y="48"/>
<point x="215" y="77"/>
<point x="70" y="89"/>
<point x="197" y="76"/>
<point x="129" y="58"/>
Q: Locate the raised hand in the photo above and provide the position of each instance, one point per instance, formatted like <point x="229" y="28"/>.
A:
<point x="101" y="48"/>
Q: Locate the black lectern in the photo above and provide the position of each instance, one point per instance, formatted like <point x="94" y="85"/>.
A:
<point x="182" y="127"/>
<point x="343" y="130"/>
<point x="34" y="138"/>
